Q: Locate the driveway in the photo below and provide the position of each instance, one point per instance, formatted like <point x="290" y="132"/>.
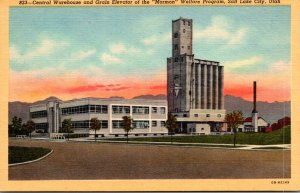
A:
<point x="89" y="160"/>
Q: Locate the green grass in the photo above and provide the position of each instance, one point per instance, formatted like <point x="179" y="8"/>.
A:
<point x="23" y="154"/>
<point x="281" y="136"/>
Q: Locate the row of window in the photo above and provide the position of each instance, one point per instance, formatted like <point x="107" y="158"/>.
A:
<point x="115" y="109"/>
<point x="207" y="115"/>
<point x="38" y="114"/>
<point x="137" y="110"/>
<point x="41" y="126"/>
<point x="86" y="124"/>
<point x="84" y="109"/>
<point x="140" y="124"/>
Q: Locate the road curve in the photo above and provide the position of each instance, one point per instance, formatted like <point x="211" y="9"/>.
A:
<point x="83" y="160"/>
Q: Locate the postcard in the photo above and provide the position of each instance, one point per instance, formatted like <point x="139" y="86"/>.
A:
<point x="149" y="95"/>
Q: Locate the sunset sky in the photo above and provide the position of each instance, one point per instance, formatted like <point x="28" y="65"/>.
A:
<point x="103" y="52"/>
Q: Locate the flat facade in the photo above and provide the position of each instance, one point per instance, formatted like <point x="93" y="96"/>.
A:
<point x="194" y="86"/>
<point x="149" y="116"/>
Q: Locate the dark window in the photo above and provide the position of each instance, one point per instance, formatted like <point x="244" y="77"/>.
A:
<point x="140" y="110"/>
<point x="117" y="124"/>
<point x="140" y="124"/>
<point x="195" y="115"/>
<point x="154" y="123"/>
<point x="41" y="126"/>
<point x="176" y="59"/>
<point x="183" y="30"/>
<point x="104" y="124"/>
<point x="189" y="23"/>
<point x="189" y="47"/>
<point x="175" y="47"/>
<point x="162" y="123"/>
<point x="207" y="115"/>
<point x="154" y="110"/>
<point x="175" y="35"/>
<point x="162" y="110"/>
<point x="38" y="114"/>
<point x="120" y="109"/>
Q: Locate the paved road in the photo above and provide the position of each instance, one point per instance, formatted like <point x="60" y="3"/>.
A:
<point x="83" y="160"/>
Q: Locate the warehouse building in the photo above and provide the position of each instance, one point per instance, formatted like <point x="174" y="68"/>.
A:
<point x="149" y="116"/>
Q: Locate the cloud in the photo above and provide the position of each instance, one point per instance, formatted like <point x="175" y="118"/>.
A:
<point x="46" y="47"/>
<point x="220" y="29"/>
<point x="243" y="63"/>
<point x="157" y="39"/>
<point x="84" y="54"/>
<point x="110" y="59"/>
<point x="120" y="48"/>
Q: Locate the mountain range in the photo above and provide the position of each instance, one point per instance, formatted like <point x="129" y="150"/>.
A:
<point x="271" y="112"/>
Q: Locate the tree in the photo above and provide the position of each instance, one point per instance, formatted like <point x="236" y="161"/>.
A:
<point x="127" y="124"/>
<point x="67" y="126"/>
<point x="95" y="125"/>
<point x="233" y="120"/>
<point x="171" y="125"/>
<point x="16" y="125"/>
<point x="30" y="127"/>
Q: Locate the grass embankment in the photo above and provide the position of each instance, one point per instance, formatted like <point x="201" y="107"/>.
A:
<point x="281" y="136"/>
<point x="23" y="154"/>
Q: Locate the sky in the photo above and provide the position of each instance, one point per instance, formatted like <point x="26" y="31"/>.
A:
<point x="76" y="52"/>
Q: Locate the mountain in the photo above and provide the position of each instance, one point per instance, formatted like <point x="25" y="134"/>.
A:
<point x="151" y="97"/>
<point x="271" y="112"/>
<point x="21" y="109"/>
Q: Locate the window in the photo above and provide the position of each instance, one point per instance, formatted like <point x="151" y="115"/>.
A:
<point x="41" y="126"/>
<point x="189" y="23"/>
<point x="175" y="35"/>
<point x="189" y="47"/>
<point x="219" y="115"/>
<point x="162" y="123"/>
<point x="175" y="47"/>
<point x="207" y="115"/>
<point x="202" y="129"/>
<point x="140" y="110"/>
<point x="183" y="30"/>
<point x="181" y="59"/>
<point x="117" y="124"/>
<point x="162" y="110"/>
<point x="154" y="110"/>
<point x="140" y="124"/>
<point x="104" y="124"/>
<point x="38" y="114"/>
<point x="120" y="109"/>
<point x="81" y="124"/>
<point x="182" y="46"/>
<point x="84" y="109"/>
<point x="154" y="123"/>
<point x="176" y="59"/>
<point x="195" y="115"/>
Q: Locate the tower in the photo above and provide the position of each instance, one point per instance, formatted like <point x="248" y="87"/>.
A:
<point x="194" y="86"/>
<point x="191" y="83"/>
<point x="254" y="111"/>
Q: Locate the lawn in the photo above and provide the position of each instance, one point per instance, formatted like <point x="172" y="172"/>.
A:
<point x="281" y="136"/>
<point x="22" y="154"/>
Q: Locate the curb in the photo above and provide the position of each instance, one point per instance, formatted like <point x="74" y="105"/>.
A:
<point x="32" y="161"/>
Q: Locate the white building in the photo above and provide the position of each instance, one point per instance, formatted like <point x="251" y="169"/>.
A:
<point x="149" y="116"/>
<point x="261" y="125"/>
